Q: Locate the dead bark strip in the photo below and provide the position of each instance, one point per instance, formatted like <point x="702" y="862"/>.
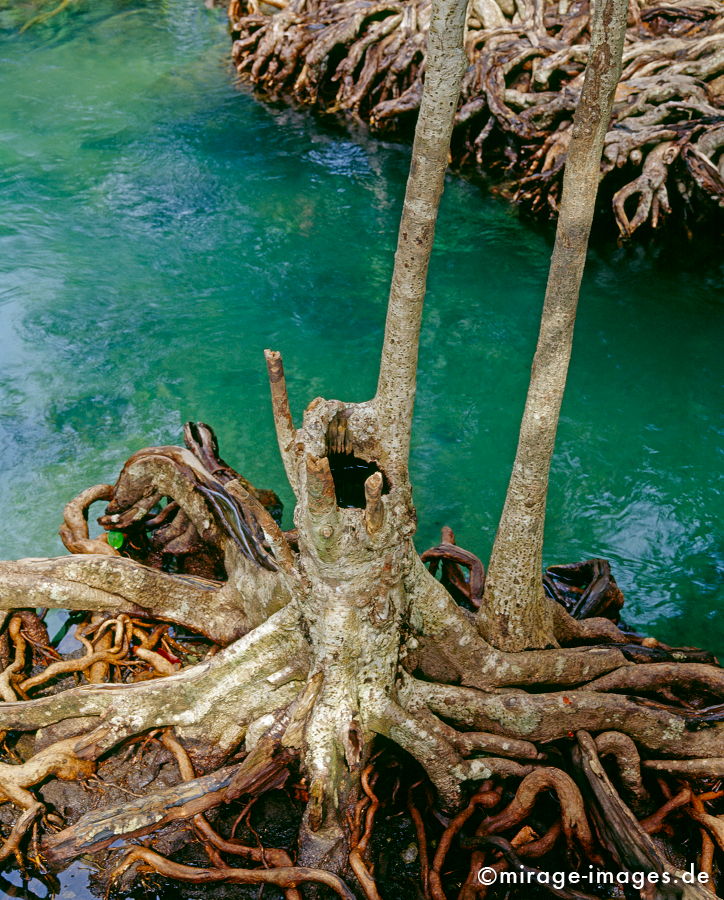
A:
<point x="264" y="769"/>
<point x="338" y="634"/>
<point x="629" y="844"/>
<point x="362" y="615"/>
<point x="127" y="821"/>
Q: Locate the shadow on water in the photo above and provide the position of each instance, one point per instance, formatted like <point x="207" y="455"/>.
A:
<point x="159" y="228"/>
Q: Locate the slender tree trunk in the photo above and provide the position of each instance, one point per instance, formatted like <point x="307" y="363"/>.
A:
<point x="445" y="66"/>
<point x="514" y="612"/>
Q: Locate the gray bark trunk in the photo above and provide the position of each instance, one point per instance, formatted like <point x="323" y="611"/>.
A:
<point x="446" y="63"/>
<point x="514" y="613"/>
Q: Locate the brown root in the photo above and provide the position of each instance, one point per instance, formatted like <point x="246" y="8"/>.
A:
<point x="316" y="664"/>
<point x="74" y="530"/>
<point x="285" y="877"/>
<point x="663" y="148"/>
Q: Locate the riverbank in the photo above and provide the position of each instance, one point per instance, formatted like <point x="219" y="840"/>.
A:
<point x="663" y="164"/>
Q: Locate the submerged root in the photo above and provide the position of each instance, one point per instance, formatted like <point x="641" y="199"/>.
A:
<point x="46" y="16"/>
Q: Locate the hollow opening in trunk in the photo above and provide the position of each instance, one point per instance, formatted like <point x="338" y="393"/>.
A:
<point x="350" y="473"/>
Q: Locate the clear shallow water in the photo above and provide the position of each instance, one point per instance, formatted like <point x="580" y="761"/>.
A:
<point x="158" y="229"/>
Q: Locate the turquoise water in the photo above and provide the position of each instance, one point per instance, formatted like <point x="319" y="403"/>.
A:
<point x="159" y="228"/>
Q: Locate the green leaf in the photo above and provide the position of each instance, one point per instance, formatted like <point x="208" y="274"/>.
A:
<point x="116" y="539"/>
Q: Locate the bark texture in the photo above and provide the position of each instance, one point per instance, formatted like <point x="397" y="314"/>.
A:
<point x="365" y="643"/>
<point x="514" y="611"/>
<point x="398" y="366"/>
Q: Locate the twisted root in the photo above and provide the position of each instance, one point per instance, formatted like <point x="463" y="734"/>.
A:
<point x="520" y="91"/>
<point x="459" y="707"/>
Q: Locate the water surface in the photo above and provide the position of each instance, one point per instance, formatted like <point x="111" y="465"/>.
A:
<point x="159" y="228"/>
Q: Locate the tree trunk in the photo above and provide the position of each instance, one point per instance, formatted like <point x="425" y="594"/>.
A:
<point x="446" y="64"/>
<point x="356" y="560"/>
<point x="514" y="613"/>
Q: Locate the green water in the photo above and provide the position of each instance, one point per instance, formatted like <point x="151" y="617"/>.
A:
<point x="159" y="228"/>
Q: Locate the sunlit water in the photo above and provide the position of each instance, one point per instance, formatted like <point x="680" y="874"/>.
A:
<point x="159" y="228"/>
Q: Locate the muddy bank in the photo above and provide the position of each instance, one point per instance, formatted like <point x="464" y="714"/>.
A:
<point x="662" y="165"/>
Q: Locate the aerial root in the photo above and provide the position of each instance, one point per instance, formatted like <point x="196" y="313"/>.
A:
<point x="25" y="631"/>
<point x="623" y="750"/>
<point x="260" y="771"/>
<point x="706" y="857"/>
<point x="74" y="530"/>
<point x="452" y="577"/>
<point x="288" y="878"/>
<point x="576" y="828"/>
<point x="650" y="188"/>
<point x="529" y="763"/>
<point x="264" y="768"/>
<point x="449" y="647"/>
<point x="625" y="839"/>
<point x="512" y="860"/>
<point x="110" y="646"/>
<point x="655" y="677"/>
<point x="11" y="672"/>
<point x="714" y="825"/>
<point x="421" y="837"/>
<point x="11" y="844"/>
<point x="712" y="768"/>
<point x="484" y="797"/>
<point x="472" y="884"/>
<point x="553" y="716"/>
<point x="217" y="520"/>
<point x="109" y="714"/>
<point x="508" y="834"/>
<point x="532" y="829"/>
<point x="365" y="810"/>
<point x="213" y="842"/>
<point x="114" y="585"/>
<point x="424" y="739"/>
<point x="517" y="743"/>
<point x="570" y="632"/>
<point x="469" y="742"/>
<point x="655" y="822"/>
<point x="430" y="703"/>
<point x="61" y="760"/>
